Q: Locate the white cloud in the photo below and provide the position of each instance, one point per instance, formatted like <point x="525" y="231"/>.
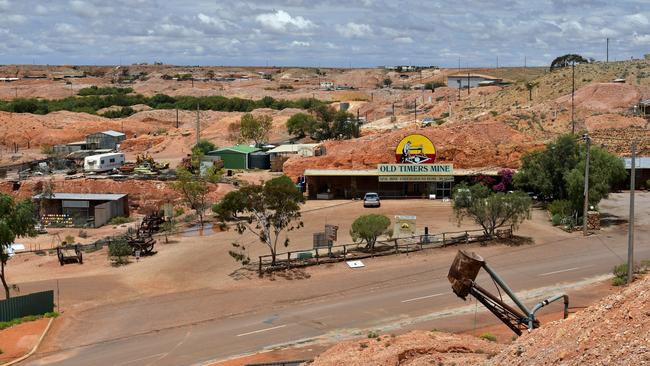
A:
<point x="403" y="40"/>
<point x="40" y="9"/>
<point x="300" y="44"/>
<point x="64" y="28"/>
<point x="82" y="8"/>
<point x="641" y="39"/>
<point x="282" y="21"/>
<point x="14" y="18"/>
<point x="211" y="21"/>
<point x="4" y="4"/>
<point x="352" y="30"/>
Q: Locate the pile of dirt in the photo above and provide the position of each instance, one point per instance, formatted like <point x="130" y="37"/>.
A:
<point x="143" y="194"/>
<point x="414" y="348"/>
<point x="616" y="330"/>
<point x="603" y="97"/>
<point x="481" y="144"/>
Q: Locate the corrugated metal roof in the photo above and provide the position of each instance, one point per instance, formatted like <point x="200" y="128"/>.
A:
<point x="641" y="162"/>
<point x="113" y="133"/>
<point x="244" y="149"/>
<point x="86" y="196"/>
<point x="291" y="148"/>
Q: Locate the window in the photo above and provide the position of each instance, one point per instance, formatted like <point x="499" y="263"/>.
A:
<point x="112" y="160"/>
<point x="102" y="162"/>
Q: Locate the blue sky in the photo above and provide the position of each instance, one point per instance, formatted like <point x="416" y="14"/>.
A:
<point x="319" y="33"/>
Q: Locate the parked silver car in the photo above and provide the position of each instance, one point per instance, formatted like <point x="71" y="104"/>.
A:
<point x="371" y="199"/>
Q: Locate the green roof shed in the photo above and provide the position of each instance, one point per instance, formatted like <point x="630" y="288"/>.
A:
<point x="234" y="157"/>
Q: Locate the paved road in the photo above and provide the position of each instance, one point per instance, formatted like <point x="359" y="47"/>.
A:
<point x="412" y="296"/>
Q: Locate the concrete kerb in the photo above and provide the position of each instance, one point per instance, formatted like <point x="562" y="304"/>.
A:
<point x="40" y="340"/>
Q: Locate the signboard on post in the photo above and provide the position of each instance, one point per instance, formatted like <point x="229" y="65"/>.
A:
<point x="331" y="232"/>
<point x="320" y="241"/>
<point x="404" y="226"/>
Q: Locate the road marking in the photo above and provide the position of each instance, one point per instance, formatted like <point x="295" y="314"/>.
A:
<point x="138" y="359"/>
<point x="561" y="271"/>
<point x="424" y="297"/>
<point x="261" y="330"/>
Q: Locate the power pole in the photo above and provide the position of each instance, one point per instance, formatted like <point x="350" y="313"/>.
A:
<point x="573" y="89"/>
<point x="586" y="205"/>
<point x="630" y="226"/>
<point x="415" y="109"/>
<point x="497" y="62"/>
<point x="198" y="125"/>
<point x="525" y="62"/>
<point x="467" y="82"/>
<point x="607" y="52"/>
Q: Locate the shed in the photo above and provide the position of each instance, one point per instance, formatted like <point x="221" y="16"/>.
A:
<point x="105" y="140"/>
<point x="234" y="157"/>
<point x="82" y="209"/>
<point x="641" y="172"/>
<point x="474" y="80"/>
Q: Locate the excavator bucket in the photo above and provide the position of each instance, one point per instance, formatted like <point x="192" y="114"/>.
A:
<point x="463" y="272"/>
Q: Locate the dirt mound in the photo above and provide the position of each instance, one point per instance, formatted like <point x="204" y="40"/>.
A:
<point x="414" y="348"/>
<point x="141" y="193"/>
<point x="603" y="97"/>
<point x="481" y="144"/>
<point x="615" y="331"/>
<point x="605" y="121"/>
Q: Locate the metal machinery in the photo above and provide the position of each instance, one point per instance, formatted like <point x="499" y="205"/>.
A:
<point x="69" y="254"/>
<point x="142" y="239"/>
<point x="462" y="276"/>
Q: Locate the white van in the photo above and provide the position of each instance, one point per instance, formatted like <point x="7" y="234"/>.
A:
<point x="103" y="162"/>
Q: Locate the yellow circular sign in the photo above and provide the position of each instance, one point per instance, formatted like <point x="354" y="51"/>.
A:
<point x="415" y="149"/>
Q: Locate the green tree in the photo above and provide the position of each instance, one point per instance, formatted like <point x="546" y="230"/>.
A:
<point x="605" y="171"/>
<point x="301" y="124"/>
<point x="368" y="228"/>
<point x="333" y="124"/>
<point x="490" y="210"/>
<point x="543" y="171"/>
<point x="194" y="190"/>
<point x="255" y="128"/>
<point x="264" y="210"/>
<point x="204" y="146"/>
<point x="16" y="220"/>
<point x="387" y="82"/>
<point x="119" y="251"/>
<point x="557" y="172"/>
<point x="567" y="60"/>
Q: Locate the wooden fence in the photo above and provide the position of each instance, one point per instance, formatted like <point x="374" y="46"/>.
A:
<point x="355" y="251"/>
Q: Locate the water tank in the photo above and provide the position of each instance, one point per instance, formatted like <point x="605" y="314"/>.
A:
<point x="259" y="160"/>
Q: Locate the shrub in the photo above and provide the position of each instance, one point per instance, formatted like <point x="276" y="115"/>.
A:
<point x="119" y="220"/>
<point x="178" y="211"/>
<point x="189" y="218"/>
<point x="82" y="234"/>
<point x="488" y="337"/>
<point x="69" y="239"/>
<point x="560" y="207"/>
<point x="47" y="150"/>
<point x="120" y="113"/>
<point x="373" y="334"/>
<point x="119" y="251"/>
<point x="444" y="115"/>
<point x="556" y="219"/>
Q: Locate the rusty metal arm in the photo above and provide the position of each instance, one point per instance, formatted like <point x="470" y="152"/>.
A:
<point x="510" y="316"/>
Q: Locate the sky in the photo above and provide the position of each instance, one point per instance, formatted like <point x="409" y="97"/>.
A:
<point x="339" y="33"/>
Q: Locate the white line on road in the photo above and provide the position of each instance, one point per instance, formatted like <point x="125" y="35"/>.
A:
<point x="561" y="271"/>
<point x="261" y="330"/>
<point x="138" y="359"/>
<point x="424" y="297"/>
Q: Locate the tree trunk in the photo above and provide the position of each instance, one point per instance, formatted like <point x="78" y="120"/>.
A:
<point x="4" y="282"/>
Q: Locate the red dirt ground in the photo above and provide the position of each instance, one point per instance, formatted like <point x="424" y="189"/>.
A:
<point x="20" y="339"/>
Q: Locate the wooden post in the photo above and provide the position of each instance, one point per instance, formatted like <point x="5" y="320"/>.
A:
<point x="345" y="251"/>
<point x="396" y="248"/>
<point x="466" y="237"/>
<point x="288" y="260"/>
<point x="317" y="261"/>
<point x="443" y="239"/>
<point x="260" y="267"/>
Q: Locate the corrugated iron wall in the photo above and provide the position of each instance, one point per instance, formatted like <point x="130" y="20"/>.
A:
<point x="32" y="304"/>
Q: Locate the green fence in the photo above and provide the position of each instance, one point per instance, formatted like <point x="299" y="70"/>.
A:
<point x="32" y="304"/>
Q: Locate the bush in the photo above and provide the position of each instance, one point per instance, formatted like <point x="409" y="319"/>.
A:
<point x="373" y="334"/>
<point x="69" y="239"/>
<point x="189" y="218"/>
<point x="488" y="337"/>
<point x="47" y="150"/>
<point x="556" y="219"/>
<point x="119" y="220"/>
<point x="94" y="90"/>
<point x="119" y="251"/>
<point x="178" y="211"/>
<point x="120" y="113"/>
<point x="82" y="234"/>
<point x="560" y="207"/>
